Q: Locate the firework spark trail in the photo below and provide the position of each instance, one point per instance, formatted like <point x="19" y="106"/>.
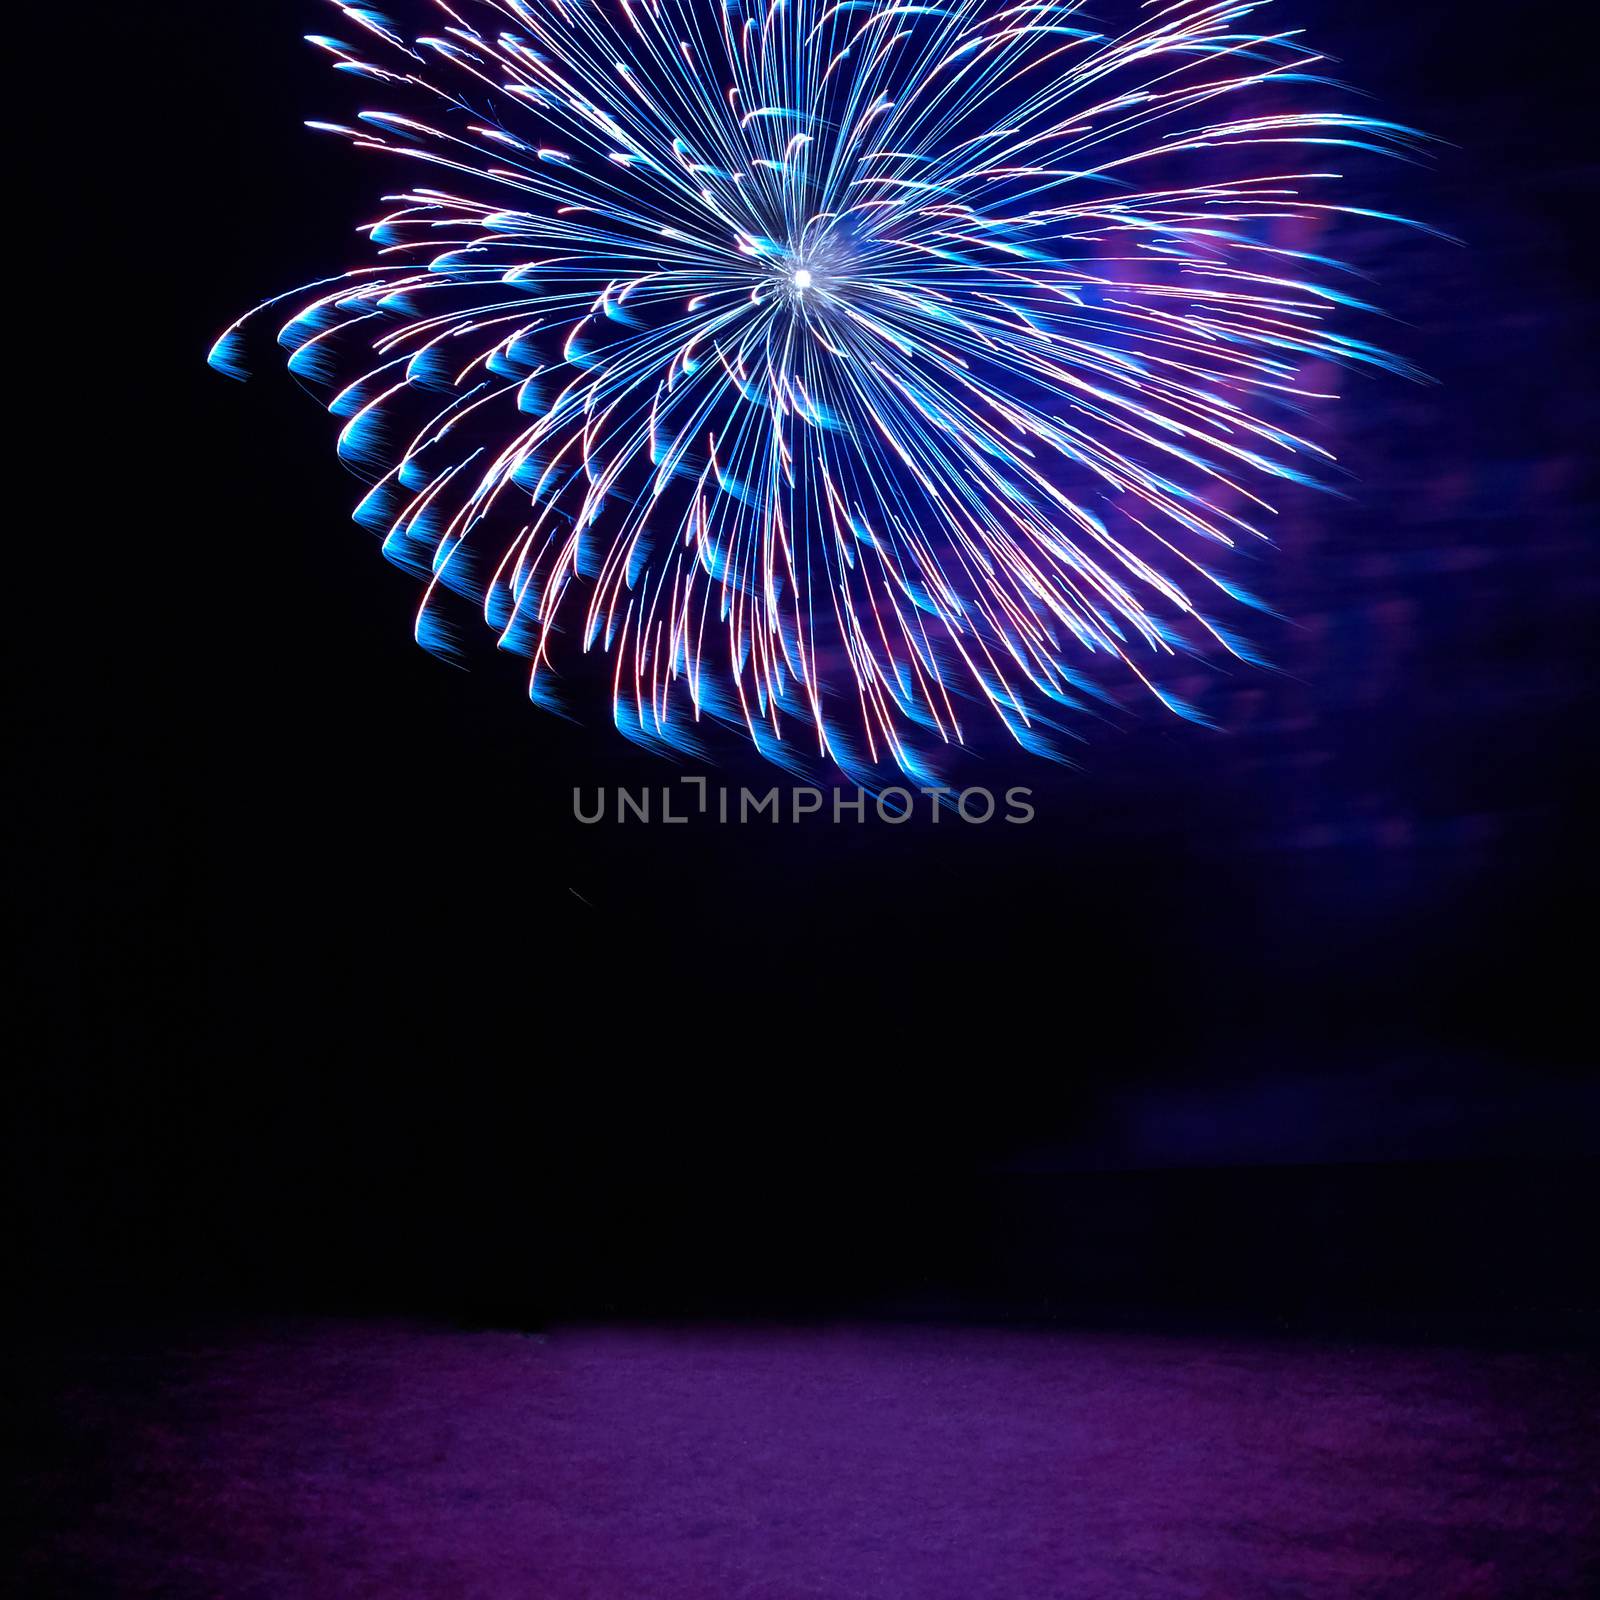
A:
<point x="853" y="372"/>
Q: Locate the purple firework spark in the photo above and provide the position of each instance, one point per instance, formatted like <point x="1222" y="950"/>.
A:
<point x="858" y="374"/>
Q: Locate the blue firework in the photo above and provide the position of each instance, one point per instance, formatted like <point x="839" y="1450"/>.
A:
<point x="861" y="375"/>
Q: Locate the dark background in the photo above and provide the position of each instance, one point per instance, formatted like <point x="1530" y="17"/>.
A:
<point x="329" y="1002"/>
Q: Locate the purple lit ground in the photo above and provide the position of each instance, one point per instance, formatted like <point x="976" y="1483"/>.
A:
<point x="352" y="1460"/>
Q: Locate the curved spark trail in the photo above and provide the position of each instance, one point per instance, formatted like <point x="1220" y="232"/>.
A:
<point x="852" y="372"/>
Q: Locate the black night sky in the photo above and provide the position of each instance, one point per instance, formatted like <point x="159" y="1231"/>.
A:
<point x="332" y="1008"/>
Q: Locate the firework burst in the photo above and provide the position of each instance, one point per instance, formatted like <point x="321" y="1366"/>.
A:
<point x="857" y="374"/>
